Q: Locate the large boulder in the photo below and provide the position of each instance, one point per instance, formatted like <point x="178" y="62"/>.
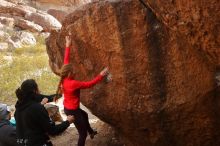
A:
<point x="21" y="39"/>
<point x="162" y="92"/>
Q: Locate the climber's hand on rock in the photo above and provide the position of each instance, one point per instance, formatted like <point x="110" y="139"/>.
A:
<point x="68" y="41"/>
<point x="104" y="72"/>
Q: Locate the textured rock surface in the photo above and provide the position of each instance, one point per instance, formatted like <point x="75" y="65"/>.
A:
<point x="64" y="5"/>
<point x="45" y="20"/>
<point x="22" y="38"/>
<point x="162" y="92"/>
<point x="53" y="111"/>
<point x="7" y="21"/>
<point x="16" y="1"/>
<point x="58" y="14"/>
<point x="28" y="25"/>
<point x="64" y="2"/>
<point x="16" y="10"/>
<point x="24" y="13"/>
<point x="197" y="21"/>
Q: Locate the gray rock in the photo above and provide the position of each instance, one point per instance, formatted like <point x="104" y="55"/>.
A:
<point x="45" y="34"/>
<point x="27" y="38"/>
<point x="7" y="21"/>
<point x="28" y="25"/>
<point x="21" y="39"/>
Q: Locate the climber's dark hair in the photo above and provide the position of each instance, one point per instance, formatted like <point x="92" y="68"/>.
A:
<point x="28" y="88"/>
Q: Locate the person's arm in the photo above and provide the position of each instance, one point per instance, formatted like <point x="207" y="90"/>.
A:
<point x="88" y="84"/>
<point x="67" y="55"/>
<point x="67" y="50"/>
<point x="41" y="115"/>
<point x="43" y="99"/>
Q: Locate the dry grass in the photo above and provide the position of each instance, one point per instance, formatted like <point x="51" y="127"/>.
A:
<point x="24" y="63"/>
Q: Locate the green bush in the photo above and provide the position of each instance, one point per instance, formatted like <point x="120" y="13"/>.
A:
<point x="26" y="63"/>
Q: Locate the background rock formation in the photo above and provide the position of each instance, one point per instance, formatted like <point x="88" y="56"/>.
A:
<point x="64" y="5"/>
<point x="163" y="89"/>
<point x="16" y="17"/>
<point x="30" y="16"/>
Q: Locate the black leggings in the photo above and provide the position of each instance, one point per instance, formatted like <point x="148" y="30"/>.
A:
<point x="82" y="124"/>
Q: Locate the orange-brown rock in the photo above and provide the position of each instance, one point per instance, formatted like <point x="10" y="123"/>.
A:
<point x="162" y="93"/>
<point x="197" y="21"/>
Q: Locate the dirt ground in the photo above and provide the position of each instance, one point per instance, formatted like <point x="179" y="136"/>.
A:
<point x="105" y="137"/>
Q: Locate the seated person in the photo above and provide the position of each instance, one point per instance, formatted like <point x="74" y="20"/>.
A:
<point x="7" y="131"/>
<point x="43" y="99"/>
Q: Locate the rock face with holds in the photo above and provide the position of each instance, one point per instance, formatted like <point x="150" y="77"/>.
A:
<point x="163" y="90"/>
<point x="197" y="21"/>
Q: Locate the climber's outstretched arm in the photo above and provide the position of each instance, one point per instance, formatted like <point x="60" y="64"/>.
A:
<point x="88" y="84"/>
<point x="67" y="50"/>
<point x="70" y="43"/>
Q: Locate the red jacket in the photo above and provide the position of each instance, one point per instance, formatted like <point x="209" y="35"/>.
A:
<point x="71" y="87"/>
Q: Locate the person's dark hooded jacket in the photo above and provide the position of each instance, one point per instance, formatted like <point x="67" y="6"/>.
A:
<point x="34" y="124"/>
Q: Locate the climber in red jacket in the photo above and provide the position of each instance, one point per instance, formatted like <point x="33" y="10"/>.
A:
<point x="71" y="90"/>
